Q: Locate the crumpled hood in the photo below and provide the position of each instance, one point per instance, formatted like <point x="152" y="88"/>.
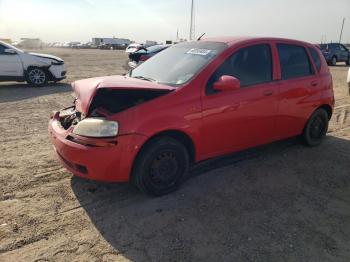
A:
<point x="47" y="56"/>
<point x="86" y="89"/>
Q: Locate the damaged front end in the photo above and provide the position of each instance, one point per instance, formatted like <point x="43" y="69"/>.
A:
<point x="99" y="99"/>
<point x="113" y="101"/>
<point x="68" y="117"/>
<point x="107" y="102"/>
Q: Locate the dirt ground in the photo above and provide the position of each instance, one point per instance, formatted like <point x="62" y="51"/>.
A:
<point x="280" y="202"/>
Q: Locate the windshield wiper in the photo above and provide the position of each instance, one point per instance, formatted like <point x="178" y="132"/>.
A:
<point x="145" y="78"/>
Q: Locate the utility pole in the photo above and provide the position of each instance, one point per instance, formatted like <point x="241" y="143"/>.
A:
<point x="341" y="31"/>
<point x="192" y="25"/>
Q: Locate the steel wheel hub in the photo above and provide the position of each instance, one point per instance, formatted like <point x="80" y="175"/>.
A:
<point x="164" y="168"/>
<point x="317" y="128"/>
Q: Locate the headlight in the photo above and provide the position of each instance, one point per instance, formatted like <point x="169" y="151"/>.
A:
<point x="54" y="62"/>
<point x="96" y="127"/>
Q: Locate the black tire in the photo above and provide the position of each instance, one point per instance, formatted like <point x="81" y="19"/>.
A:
<point x="37" y="76"/>
<point x="316" y="128"/>
<point x="348" y="62"/>
<point x="334" y="61"/>
<point x="161" y="166"/>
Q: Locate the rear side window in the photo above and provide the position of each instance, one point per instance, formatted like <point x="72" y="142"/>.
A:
<point x="315" y="57"/>
<point x="294" y="61"/>
<point x="251" y="65"/>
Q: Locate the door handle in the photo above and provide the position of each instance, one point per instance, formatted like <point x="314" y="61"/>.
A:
<point x="314" y="83"/>
<point x="268" y="93"/>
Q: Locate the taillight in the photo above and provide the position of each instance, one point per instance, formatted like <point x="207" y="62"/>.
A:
<point x="144" y="58"/>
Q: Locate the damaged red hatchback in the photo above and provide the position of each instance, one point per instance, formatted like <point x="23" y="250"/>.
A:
<point x="193" y="101"/>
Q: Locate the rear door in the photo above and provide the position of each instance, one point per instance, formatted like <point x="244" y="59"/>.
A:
<point x="344" y="52"/>
<point x="299" y="86"/>
<point x="233" y="120"/>
<point x="10" y="64"/>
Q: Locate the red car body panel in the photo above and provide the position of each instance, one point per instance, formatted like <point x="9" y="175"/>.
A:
<point x="216" y="124"/>
<point x="86" y="89"/>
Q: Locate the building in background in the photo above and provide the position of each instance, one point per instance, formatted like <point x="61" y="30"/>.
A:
<point x="6" y="40"/>
<point x="30" y="43"/>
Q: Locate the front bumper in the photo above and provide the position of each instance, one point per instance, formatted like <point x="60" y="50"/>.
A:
<point x="109" y="163"/>
<point x="58" y="72"/>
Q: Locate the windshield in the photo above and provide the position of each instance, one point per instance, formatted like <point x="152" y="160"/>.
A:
<point x="178" y="64"/>
<point x="12" y="47"/>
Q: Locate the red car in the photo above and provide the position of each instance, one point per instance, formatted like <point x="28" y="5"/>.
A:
<point x="193" y="101"/>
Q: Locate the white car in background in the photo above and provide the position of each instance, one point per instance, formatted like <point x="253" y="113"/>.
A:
<point x="132" y="48"/>
<point x="36" y="69"/>
<point x="348" y="80"/>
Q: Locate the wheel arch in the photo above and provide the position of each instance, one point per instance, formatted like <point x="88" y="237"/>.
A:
<point x="45" y="68"/>
<point x="180" y="136"/>
<point x="328" y="109"/>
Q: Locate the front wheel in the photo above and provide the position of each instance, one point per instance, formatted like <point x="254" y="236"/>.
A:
<point x="37" y="77"/>
<point x="348" y="61"/>
<point x="316" y="128"/>
<point x="161" y="166"/>
<point x="334" y="61"/>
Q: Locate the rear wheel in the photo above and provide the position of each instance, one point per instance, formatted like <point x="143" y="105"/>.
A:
<point x="348" y="62"/>
<point x="37" y="76"/>
<point x="316" y="128"/>
<point x="161" y="166"/>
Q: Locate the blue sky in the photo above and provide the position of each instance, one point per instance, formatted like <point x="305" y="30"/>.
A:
<point x="80" y="20"/>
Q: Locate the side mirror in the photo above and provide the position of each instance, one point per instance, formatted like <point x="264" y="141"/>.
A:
<point x="227" y="83"/>
<point x="10" y="52"/>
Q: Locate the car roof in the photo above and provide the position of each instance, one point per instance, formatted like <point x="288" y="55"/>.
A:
<point x="233" y="40"/>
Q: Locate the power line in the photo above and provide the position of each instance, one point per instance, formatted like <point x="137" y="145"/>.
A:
<point x="341" y="31"/>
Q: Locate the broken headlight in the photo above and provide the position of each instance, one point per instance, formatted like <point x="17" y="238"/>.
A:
<point x="96" y="127"/>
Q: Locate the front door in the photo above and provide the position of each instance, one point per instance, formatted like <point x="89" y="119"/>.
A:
<point x="10" y="64"/>
<point x="344" y="53"/>
<point x="233" y="120"/>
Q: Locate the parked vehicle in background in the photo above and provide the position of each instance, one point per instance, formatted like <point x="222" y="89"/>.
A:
<point x="112" y="46"/>
<point x="334" y="53"/>
<point x="348" y="80"/>
<point x="111" y="42"/>
<point x="144" y="54"/>
<point x="193" y="101"/>
<point x="133" y="48"/>
<point x="36" y="69"/>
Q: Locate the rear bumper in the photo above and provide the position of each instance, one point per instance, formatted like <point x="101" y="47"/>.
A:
<point x="111" y="163"/>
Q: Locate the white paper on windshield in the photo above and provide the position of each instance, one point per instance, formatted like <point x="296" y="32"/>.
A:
<point x="197" y="51"/>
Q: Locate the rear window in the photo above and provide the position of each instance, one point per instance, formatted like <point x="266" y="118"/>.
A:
<point x="294" y="61"/>
<point x="315" y="58"/>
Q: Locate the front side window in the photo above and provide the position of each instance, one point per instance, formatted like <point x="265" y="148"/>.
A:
<point x="294" y="61"/>
<point x="2" y="49"/>
<point x="342" y="48"/>
<point x="250" y="65"/>
<point x="334" y="47"/>
<point x="315" y="57"/>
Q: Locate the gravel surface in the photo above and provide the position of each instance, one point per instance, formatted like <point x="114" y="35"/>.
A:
<point x="279" y="202"/>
